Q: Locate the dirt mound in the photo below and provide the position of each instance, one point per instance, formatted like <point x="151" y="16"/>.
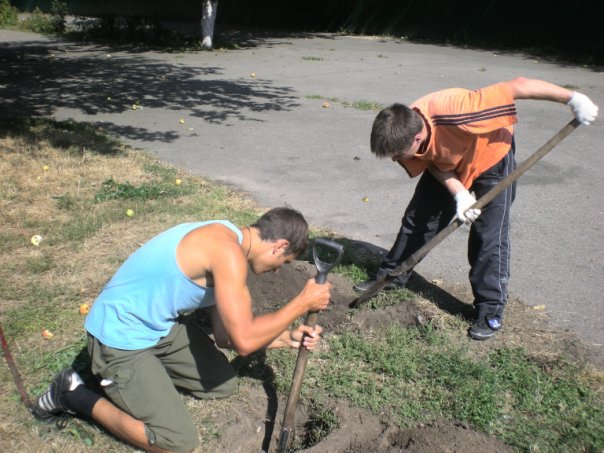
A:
<point x="438" y="437"/>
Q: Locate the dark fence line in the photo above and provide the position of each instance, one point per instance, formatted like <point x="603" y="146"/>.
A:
<point x="571" y="29"/>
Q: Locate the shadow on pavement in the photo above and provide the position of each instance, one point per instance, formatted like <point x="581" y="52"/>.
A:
<point x="39" y="77"/>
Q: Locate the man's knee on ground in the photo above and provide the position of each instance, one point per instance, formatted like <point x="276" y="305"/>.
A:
<point x="183" y="440"/>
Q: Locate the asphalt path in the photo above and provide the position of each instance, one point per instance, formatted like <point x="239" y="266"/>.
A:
<point x="255" y="118"/>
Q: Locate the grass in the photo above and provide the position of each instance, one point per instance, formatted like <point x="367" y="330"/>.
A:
<point x="72" y="185"/>
<point x="359" y="105"/>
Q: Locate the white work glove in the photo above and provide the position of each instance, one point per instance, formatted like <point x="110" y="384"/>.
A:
<point x="464" y="200"/>
<point x="584" y="110"/>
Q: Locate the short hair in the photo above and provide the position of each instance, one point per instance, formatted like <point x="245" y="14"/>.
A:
<point x="394" y="129"/>
<point x="284" y="223"/>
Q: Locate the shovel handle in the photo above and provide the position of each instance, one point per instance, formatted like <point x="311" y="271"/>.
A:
<point x="416" y="257"/>
<point x="323" y="269"/>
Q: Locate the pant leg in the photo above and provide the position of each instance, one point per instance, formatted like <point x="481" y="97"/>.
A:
<point x="489" y="245"/>
<point x="138" y="383"/>
<point x="430" y="210"/>
<point x="195" y="364"/>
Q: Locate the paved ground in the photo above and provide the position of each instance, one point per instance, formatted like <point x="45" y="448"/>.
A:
<point x="253" y="118"/>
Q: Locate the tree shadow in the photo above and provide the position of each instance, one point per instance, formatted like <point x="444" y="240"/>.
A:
<point x="38" y="78"/>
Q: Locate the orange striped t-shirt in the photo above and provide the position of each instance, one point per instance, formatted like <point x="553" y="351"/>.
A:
<point x="468" y="131"/>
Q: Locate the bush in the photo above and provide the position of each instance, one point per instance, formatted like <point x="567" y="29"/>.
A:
<point x="8" y="14"/>
<point x="40" y="22"/>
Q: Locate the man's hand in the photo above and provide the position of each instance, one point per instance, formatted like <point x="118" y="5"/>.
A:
<point x="464" y="200"/>
<point x="584" y="110"/>
<point x="316" y="296"/>
<point x="310" y="337"/>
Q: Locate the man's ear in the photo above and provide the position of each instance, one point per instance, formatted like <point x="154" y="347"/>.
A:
<point x="418" y="137"/>
<point x="417" y="142"/>
<point x="281" y="245"/>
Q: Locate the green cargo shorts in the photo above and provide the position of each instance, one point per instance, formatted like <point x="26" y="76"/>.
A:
<point x="143" y="382"/>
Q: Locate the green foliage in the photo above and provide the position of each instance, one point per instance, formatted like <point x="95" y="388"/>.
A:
<point x="59" y="10"/>
<point x="8" y="14"/>
<point x="50" y="24"/>
<point x="364" y="105"/>
<point x="138" y="31"/>
<point x="112" y="190"/>
<point x="39" y="22"/>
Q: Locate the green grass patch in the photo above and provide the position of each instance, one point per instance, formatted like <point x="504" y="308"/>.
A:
<point x="364" y="105"/>
<point x="113" y="190"/>
<point x="359" y="105"/>
<point x="9" y="15"/>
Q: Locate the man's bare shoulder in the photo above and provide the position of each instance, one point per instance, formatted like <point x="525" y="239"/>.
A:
<point x="202" y="249"/>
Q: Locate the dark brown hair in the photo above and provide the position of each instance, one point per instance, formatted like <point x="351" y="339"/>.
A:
<point x="394" y="129"/>
<point x="284" y="223"/>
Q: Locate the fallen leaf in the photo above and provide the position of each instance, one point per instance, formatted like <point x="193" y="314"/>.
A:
<point x="45" y="168"/>
<point x="47" y="334"/>
<point x="326" y="105"/>
<point x="539" y="307"/>
<point x="365" y="199"/>
<point x="356" y="158"/>
<point x="181" y="121"/>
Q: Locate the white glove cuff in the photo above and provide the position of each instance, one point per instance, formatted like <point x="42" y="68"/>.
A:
<point x="462" y="194"/>
<point x="576" y="100"/>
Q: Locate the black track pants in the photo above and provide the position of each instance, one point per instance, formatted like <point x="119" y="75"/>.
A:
<point x="432" y="208"/>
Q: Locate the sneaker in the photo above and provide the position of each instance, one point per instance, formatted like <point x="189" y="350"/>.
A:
<point x="482" y="330"/>
<point x="364" y="286"/>
<point x="49" y="405"/>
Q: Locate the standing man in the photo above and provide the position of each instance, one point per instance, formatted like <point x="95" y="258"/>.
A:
<point x="462" y="141"/>
<point x="141" y="347"/>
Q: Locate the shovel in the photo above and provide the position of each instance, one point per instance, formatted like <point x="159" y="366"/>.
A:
<point x="335" y="252"/>
<point x="416" y="257"/>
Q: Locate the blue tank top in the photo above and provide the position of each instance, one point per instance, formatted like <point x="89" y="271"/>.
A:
<point x="141" y="302"/>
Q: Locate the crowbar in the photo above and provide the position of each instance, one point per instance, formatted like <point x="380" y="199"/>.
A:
<point x="13" y="369"/>
<point x="416" y="257"/>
